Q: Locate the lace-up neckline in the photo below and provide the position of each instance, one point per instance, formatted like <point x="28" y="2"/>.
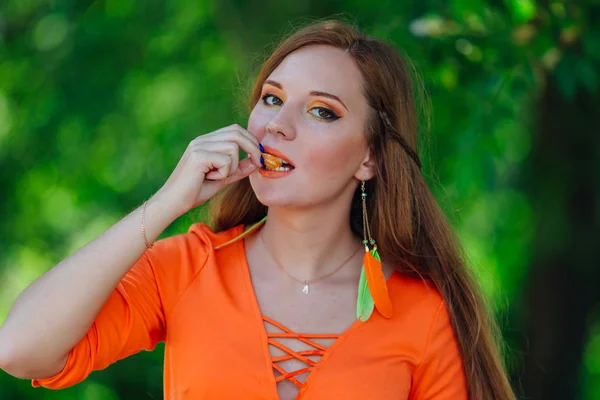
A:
<point x="318" y="350"/>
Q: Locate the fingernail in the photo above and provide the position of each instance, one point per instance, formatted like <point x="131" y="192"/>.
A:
<point x="262" y="161"/>
<point x="261" y="148"/>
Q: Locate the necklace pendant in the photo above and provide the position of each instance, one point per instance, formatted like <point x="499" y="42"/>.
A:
<point x="305" y="288"/>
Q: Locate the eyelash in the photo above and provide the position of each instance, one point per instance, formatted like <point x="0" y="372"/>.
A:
<point x="333" y="116"/>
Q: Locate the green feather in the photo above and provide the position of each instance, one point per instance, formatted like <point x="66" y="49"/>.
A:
<point x="364" y="304"/>
<point x="376" y="254"/>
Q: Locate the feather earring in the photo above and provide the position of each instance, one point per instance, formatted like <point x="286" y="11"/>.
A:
<point x="372" y="287"/>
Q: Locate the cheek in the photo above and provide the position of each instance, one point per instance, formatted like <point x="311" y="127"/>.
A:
<point x="335" y="157"/>
<point x="257" y="122"/>
<point x="253" y="124"/>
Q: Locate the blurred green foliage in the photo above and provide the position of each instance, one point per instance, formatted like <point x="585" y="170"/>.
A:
<point x="98" y="101"/>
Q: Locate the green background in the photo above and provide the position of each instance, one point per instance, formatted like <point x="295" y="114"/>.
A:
<point x="98" y="101"/>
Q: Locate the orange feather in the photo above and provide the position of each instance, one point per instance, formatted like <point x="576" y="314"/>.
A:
<point x="377" y="285"/>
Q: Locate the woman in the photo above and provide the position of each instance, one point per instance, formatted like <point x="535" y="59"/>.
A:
<point x="264" y="304"/>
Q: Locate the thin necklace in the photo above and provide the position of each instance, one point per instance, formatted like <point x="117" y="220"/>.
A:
<point x="305" y="288"/>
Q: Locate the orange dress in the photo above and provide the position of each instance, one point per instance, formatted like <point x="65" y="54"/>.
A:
<point x="183" y="286"/>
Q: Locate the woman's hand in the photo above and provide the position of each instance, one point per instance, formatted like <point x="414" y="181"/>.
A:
<point x="209" y="163"/>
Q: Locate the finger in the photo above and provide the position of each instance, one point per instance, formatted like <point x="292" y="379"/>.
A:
<point x="215" y="162"/>
<point x="242" y="141"/>
<point x="246" y="167"/>
<point x="246" y="133"/>
<point x="252" y="149"/>
<point x="234" y="127"/>
<point x="228" y="148"/>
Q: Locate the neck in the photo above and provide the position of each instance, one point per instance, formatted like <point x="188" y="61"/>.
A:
<point x="310" y="244"/>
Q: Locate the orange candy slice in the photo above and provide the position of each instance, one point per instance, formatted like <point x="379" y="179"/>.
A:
<point x="271" y="161"/>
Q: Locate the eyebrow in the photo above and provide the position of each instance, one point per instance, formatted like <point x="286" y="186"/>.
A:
<point x="312" y="93"/>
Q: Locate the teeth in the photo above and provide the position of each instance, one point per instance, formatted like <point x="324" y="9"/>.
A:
<point x="279" y="169"/>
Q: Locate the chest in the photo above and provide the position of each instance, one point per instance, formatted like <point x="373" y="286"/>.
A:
<point x="247" y="357"/>
<point x="255" y="337"/>
<point x="302" y="323"/>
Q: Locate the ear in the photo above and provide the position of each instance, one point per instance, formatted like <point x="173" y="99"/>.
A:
<point x="366" y="170"/>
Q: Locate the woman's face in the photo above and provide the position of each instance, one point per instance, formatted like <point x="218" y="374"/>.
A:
<point x="312" y="110"/>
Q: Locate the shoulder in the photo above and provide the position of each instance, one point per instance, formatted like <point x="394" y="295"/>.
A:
<point x="414" y="298"/>
<point x="203" y="232"/>
<point x="198" y="242"/>
<point x="174" y="262"/>
<point x="428" y="336"/>
<point x="418" y="309"/>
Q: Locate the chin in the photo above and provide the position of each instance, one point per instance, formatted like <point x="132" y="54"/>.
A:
<point x="271" y="199"/>
<point x="288" y="200"/>
<point x="273" y="195"/>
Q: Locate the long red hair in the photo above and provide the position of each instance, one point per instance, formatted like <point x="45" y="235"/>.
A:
<point x="411" y="230"/>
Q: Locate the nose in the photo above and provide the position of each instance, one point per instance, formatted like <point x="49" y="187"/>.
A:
<point x="281" y="125"/>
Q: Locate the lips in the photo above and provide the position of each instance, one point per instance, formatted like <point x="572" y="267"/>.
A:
<point x="274" y="152"/>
